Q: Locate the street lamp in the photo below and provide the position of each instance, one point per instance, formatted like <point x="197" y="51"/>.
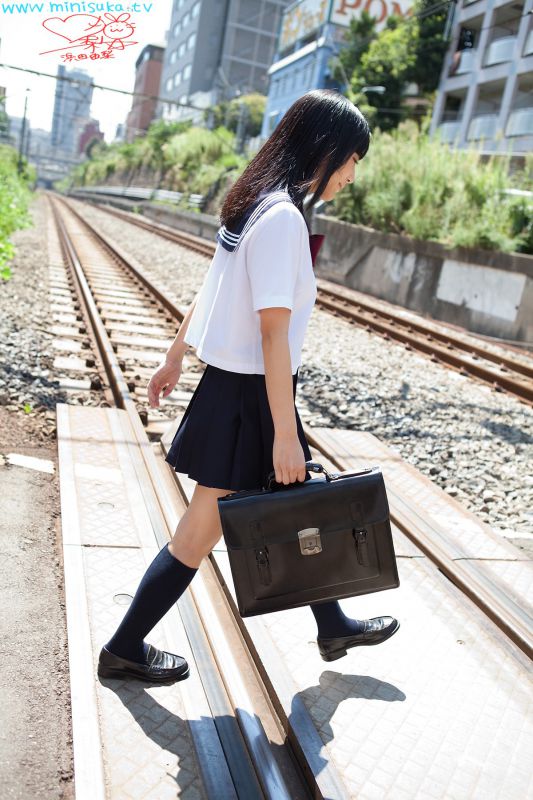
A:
<point x="376" y="89"/>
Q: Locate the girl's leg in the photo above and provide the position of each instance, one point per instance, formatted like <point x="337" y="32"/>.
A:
<point x="337" y="632"/>
<point x="169" y="574"/>
<point x="331" y="620"/>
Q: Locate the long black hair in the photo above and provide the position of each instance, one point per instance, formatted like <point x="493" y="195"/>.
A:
<point x="317" y="133"/>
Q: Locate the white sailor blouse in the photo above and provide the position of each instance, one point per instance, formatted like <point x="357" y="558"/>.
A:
<point x="265" y="261"/>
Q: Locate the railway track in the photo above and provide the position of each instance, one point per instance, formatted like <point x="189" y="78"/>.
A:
<point x="108" y="302"/>
<point x="129" y="324"/>
<point x="496" y="365"/>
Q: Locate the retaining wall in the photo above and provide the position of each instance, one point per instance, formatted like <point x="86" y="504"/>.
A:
<point x="485" y="291"/>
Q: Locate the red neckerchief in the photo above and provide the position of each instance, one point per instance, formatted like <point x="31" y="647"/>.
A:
<point x="315" y="243"/>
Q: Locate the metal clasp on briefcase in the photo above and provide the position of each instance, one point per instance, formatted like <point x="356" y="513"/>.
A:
<point x="310" y="543"/>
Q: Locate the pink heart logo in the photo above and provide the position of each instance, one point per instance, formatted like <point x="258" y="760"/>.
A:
<point x="74" y="27"/>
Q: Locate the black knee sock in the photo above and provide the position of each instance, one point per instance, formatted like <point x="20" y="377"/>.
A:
<point x="162" y="584"/>
<point x="332" y="622"/>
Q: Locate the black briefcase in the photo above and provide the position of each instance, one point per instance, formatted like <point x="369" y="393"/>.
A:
<point x="309" y="541"/>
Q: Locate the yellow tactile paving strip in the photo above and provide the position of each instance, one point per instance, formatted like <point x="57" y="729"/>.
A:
<point x="131" y="739"/>
<point x="442" y="710"/>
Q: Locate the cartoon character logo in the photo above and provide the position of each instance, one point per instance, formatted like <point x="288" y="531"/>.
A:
<point x="118" y="29"/>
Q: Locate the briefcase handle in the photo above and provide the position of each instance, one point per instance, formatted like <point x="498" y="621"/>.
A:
<point x="312" y="466"/>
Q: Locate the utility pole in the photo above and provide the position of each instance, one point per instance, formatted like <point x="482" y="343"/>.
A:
<point x="242" y="125"/>
<point x="22" y="134"/>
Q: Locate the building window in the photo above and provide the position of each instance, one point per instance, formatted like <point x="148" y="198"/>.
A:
<point x="186" y="19"/>
<point x="181" y="49"/>
<point x="177" y="78"/>
<point x="187" y="72"/>
<point x="168" y="84"/>
<point x="191" y="40"/>
<point x="173" y="56"/>
<point x="183" y="98"/>
<point x="177" y="28"/>
<point x="195" y="10"/>
<point x="272" y="121"/>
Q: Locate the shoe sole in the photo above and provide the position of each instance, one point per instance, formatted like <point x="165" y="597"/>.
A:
<point x="335" y="654"/>
<point x="115" y="672"/>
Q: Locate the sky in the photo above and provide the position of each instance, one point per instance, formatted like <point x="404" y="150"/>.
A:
<point x="24" y="40"/>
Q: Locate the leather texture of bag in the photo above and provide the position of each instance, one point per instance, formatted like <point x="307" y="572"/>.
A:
<point x="310" y="541"/>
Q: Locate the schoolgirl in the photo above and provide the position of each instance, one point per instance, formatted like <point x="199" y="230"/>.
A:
<point x="247" y="324"/>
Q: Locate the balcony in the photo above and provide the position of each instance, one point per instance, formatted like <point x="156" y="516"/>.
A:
<point x="467" y="62"/>
<point x="520" y="122"/>
<point x="483" y="126"/>
<point x="500" y="50"/>
<point x="449" y="131"/>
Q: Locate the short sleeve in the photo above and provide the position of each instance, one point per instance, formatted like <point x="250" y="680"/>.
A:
<point x="273" y="255"/>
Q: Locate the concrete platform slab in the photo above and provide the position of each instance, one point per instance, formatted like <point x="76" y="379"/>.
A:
<point x="131" y="739"/>
<point x="442" y="710"/>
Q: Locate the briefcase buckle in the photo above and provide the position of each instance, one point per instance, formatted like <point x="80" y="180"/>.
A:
<point x="310" y="543"/>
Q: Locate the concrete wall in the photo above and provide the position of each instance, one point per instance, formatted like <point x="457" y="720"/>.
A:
<point x="188" y="221"/>
<point x="485" y="291"/>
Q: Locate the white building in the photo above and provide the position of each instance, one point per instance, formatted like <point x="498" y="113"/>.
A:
<point x="485" y="96"/>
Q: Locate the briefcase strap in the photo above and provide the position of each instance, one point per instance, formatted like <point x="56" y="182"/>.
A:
<point x="261" y="553"/>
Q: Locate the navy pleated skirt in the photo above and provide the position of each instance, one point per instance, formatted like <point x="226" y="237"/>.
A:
<point x="226" y="435"/>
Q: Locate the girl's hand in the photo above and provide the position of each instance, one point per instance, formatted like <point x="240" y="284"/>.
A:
<point x="164" y="379"/>
<point x="289" y="459"/>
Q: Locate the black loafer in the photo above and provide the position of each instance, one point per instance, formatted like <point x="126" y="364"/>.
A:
<point x="160" y="667"/>
<point x="376" y="630"/>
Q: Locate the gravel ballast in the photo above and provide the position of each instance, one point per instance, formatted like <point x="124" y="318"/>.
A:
<point x="36" y="755"/>
<point x="475" y="443"/>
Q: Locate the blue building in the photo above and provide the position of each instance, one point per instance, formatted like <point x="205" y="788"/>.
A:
<point x="311" y="36"/>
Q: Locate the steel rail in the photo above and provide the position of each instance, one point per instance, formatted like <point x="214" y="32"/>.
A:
<point x="502" y="372"/>
<point x="519" y="386"/>
<point x="450" y="335"/>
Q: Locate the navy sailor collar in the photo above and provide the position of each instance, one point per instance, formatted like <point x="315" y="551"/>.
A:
<point x="230" y="240"/>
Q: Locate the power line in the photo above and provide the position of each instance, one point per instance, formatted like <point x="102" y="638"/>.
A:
<point x="157" y="98"/>
<point x="168" y="100"/>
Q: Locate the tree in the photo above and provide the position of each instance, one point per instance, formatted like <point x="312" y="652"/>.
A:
<point x="430" y="47"/>
<point x="226" y="113"/>
<point x="388" y="62"/>
<point x="358" y="36"/>
<point x="407" y="50"/>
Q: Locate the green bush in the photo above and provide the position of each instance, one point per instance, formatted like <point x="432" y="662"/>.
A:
<point x="414" y="185"/>
<point x="179" y="156"/>
<point x="14" y="203"/>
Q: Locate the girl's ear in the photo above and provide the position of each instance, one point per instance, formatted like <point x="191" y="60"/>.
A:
<point x="110" y="17"/>
<point x="122" y="17"/>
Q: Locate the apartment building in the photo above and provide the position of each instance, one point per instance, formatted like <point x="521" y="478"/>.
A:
<point x="72" y="105"/>
<point x="217" y="49"/>
<point x="485" y="95"/>
<point x="147" y="79"/>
